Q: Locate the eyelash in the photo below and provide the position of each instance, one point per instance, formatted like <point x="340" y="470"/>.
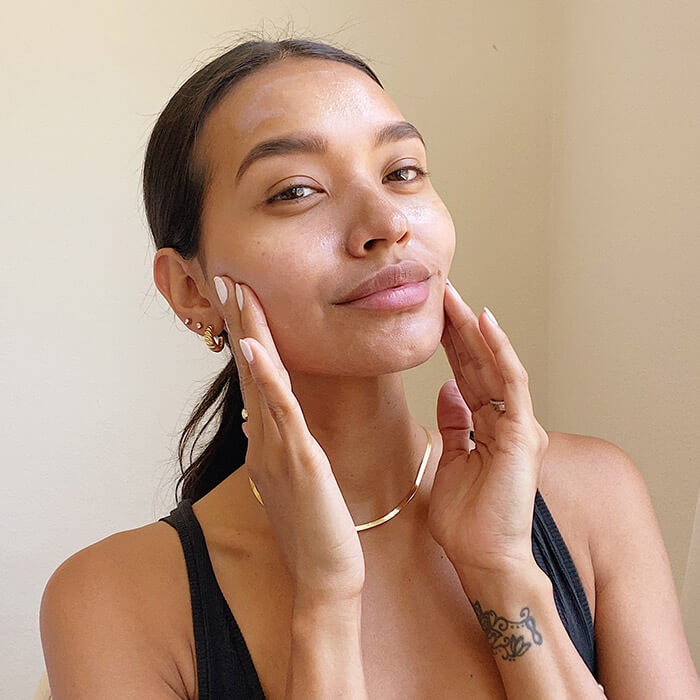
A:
<point x="274" y="199"/>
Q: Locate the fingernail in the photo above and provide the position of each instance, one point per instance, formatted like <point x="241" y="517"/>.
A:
<point x="490" y="316"/>
<point x="239" y="296"/>
<point x="447" y="279"/>
<point x="221" y="289"/>
<point x="454" y="289"/>
<point x="245" y="349"/>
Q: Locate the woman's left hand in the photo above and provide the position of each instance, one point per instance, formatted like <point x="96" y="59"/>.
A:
<point x="482" y="500"/>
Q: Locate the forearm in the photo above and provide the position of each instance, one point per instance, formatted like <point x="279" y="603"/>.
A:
<point x="534" y="654"/>
<point x="326" y="652"/>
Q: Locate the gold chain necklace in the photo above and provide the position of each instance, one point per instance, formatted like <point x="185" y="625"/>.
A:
<point x="393" y="512"/>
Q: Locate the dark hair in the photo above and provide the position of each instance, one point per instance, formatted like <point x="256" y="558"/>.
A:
<point x="173" y="191"/>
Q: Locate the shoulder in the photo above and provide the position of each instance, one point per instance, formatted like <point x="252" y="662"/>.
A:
<point x="125" y="566"/>
<point x="593" y="475"/>
<point x="613" y="499"/>
<point x="117" y="604"/>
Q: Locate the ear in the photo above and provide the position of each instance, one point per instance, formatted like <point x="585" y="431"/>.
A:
<point x="185" y="288"/>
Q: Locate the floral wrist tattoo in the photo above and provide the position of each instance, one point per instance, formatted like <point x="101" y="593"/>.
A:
<point x="508" y="636"/>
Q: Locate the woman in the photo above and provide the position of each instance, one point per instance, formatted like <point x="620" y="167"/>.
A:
<point x="338" y="548"/>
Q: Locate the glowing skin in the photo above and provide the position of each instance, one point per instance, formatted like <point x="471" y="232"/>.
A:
<point x="351" y="218"/>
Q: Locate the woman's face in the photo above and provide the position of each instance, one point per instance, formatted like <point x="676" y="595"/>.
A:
<point x="349" y="215"/>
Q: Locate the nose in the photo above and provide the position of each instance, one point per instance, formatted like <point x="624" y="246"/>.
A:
<point x="377" y="221"/>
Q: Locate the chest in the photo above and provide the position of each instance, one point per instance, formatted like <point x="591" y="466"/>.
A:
<point x="420" y="636"/>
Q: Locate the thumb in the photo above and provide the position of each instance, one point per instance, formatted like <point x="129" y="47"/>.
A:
<point x="454" y="419"/>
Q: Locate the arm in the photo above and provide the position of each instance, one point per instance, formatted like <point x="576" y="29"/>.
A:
<point x="96" y="636"/>
<point x="641" y="648"/>
<point x="533" y="652"/>
<point x="326" y="654"/>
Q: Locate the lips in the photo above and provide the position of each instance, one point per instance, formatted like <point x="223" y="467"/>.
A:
<point x="405" y="272"/>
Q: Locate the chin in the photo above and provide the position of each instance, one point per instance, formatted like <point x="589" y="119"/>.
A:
<point x="393" y="355"/>
<point x="417" y="355"/>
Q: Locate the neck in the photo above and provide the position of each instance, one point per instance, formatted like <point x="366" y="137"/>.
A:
<point x="372" y="441"/>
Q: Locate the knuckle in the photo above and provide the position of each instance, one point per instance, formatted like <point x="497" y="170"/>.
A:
<point x="246" y="381"/>
<point x="281" y="411"/>
<point x="462" y="325"/>
<point x="480" y="363"/>
<point x="517" y="376"/>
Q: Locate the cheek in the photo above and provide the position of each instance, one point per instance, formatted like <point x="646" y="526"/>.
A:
<point x="447" y="237"/>
<point x="288" y="285"/>
<point x="435" y="230"/>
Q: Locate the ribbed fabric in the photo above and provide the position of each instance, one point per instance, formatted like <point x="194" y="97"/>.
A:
<point x="553" y="557"/>
<point x="225" y="669"/>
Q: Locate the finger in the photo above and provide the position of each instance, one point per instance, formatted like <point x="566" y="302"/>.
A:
<point x="283" y="406"/>
<point x="516" y="395"/>
<point x="454" y="419"/>
<point x="251" y="400"/>
<point x="483" y="424"/>
<point x="469" y="336"/>
<point x="266" y="431"/>
<point x="470" y="370"/>
<point x="254" y="324"/>
<point x="465" y="388"/>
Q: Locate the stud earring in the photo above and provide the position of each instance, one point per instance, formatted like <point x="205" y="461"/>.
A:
<point x="187" y="321"/>
<point x="199" y="325"/>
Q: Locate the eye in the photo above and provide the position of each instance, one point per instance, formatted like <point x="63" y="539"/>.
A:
<point x="295" y="188"/>
<point x="420" y="173"/>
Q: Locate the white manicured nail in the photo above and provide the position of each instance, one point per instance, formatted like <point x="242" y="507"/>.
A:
<point x="454" y="289"/>
<point x="239" y="296"/>
<point x="221" y="289"/>
<point x="490" y="316"/>
<point x="245" y="349"/>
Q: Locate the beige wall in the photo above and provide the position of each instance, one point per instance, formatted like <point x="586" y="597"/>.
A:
<point x="562" y="137"/>
<point x="624" y="314"/>
<point x="611" y="188"/>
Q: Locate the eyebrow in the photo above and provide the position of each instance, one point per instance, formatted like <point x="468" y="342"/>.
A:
<point x="310" y="142"/>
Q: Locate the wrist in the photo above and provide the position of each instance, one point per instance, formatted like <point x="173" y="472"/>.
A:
<point x="310" y="612"/>
<point x="502" y="584"/>
<point x="326" y="650"/>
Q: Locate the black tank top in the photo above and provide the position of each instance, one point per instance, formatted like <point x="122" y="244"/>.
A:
<point x="225" y="668"/>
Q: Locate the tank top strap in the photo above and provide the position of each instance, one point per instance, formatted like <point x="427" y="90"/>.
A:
<point x="224" y="665"/>
<point x="553" y="557"/>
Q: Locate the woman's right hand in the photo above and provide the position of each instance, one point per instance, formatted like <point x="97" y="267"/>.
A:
<point x="303" y="502"/>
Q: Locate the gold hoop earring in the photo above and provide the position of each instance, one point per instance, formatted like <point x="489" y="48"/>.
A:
<point x="214" y="342"/>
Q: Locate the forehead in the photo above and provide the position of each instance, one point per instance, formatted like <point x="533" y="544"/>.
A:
<point x="297" y="94"/>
